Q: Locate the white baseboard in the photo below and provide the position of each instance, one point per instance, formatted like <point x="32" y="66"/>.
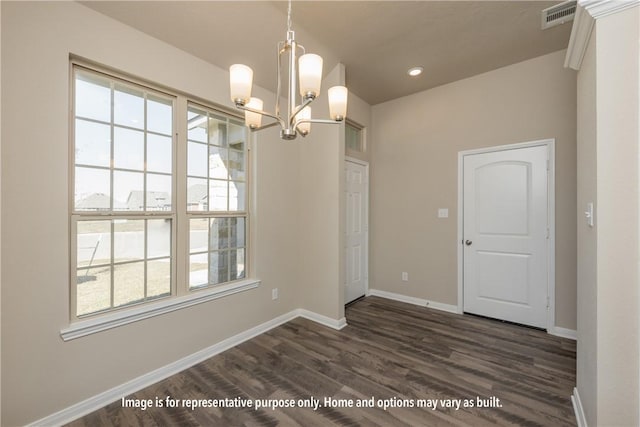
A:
<point x="323" y="320"/>
<point x="450" y="308"/>
<point x="98" y="401"/>
<point x="563" y="332"/>
<point x="578" y="409"/>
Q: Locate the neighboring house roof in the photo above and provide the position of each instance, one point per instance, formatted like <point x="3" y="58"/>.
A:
<point x="196" y="194"/>
<point x="95" y="201"/>
<point x="155" y="200"/>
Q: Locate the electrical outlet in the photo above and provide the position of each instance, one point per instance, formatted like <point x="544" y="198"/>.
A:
<point x="274" y="293"/>
<point x="405" y="276"/>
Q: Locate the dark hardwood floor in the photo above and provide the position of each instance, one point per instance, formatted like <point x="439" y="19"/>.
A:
<point x="391" y="351"/>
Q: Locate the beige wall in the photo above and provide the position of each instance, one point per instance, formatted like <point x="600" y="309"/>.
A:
<point x="41" y="373"/>
<point x="618" y="150"/>
<point x="608" y="356"/>
<point x="321" y="162"/>
<point x="414" y="172"/>
<point x="587" y="344"/>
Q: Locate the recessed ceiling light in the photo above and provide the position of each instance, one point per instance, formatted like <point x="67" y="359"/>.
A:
<point x="415" y="71"/>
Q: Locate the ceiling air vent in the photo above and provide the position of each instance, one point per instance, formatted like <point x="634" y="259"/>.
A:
<point x="558" y="14"/>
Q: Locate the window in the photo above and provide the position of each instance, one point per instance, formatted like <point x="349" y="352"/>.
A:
<point x="216" y="197"/>
<point x="353" y="137"/>
<point x="123" y="212"/>
<point x="125" y="220"/>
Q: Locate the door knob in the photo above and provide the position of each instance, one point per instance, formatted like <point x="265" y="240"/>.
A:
<point x="468" y="242"/>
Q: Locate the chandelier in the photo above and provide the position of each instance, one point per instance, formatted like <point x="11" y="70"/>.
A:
<point x="308" y="70"/>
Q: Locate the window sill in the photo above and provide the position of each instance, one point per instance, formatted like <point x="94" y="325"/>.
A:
<point x="83" y="328"/>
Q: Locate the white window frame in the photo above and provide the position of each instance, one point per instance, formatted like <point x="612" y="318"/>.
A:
<point x="181" y="296"/>
<point x="361" y="132"/>
<point x="209" y="214"/>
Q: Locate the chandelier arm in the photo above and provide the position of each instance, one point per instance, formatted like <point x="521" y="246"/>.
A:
<point x="263" y="113"/>
<point x="268" y="125"/>
<point x="306" y="102"/>
<point x="281" y="49"/>
<point x="319" y="121"/>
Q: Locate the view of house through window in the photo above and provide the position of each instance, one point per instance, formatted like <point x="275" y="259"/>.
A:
<point x="124" y="214"/>
<point x="216" y="197"/>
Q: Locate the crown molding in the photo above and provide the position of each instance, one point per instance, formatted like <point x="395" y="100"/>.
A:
<point x="601" y="8"/>
<point x="587" y="11"/>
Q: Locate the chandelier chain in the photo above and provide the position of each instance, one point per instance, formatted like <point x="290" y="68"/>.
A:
<point x="289" y="17"/>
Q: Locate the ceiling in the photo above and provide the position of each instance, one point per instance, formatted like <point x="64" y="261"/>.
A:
<point x="376" y="40"/>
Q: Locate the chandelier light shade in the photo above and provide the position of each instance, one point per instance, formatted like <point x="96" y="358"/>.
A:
<point x="338" y="102"/>
<point x="305" y="126"/>
<point x="253" y="120"/>
<point x="240" y="82"/>
<point x="304" y="78"/>
<point x="310" y="66"/>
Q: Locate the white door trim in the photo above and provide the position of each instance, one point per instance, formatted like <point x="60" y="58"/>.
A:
<point x="367" y="207"/>
<point x="551" y="206"/>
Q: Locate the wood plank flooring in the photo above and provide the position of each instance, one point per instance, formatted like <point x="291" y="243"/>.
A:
<point x="389" y="351"/>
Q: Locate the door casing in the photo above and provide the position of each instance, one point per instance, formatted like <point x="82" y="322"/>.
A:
<point x="551" y="273"/>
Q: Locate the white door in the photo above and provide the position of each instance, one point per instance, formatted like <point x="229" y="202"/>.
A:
<point x="505" y="235"/>
<point x="357" y="188"/>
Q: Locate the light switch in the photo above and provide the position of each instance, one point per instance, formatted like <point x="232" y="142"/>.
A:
<point x="443" y="213"/>
<point x="588" y="214"/>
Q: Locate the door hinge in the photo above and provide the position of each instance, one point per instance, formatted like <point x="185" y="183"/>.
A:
<point x="548" y="233"/>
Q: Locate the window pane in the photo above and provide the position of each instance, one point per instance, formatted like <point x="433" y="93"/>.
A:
<point x="197" y="125"/>
<point x="237" y="232"/>
<point x="158" y="192"/>
<point x="127" y="191"/>
<point x="237" y="135"/>
<point x="93" y="243"/>
<point x="237" y="196"/>
<point x="158" y="153"/>
<point x="128" y="149"/>
<point x="217" y="195"/>
<point x="93" y="97"/>
<point x="198" y="267"/>
<point x="353" y="138"/>
<point x="237" y="264"/>
<point x="158" y="278"/>
<point x="218" y="267"/>
<point x="93" y="290"/>
<point x="92" y="189"/>
<point x="128" y="107"/>
<point x="198" y="232"/>
<point x="219" y="234"/>
<point x="197" y="162"/>
<point x="159" y="115"/>
<point x="128" y="239"/>
<point x="237" y="166"/>
<point x="92" y="143"/>
<point x="197" y="194"/>
<point x="158" y="238"/>
<point x="128" y="283"/>
<point x="218" y="131"/>
<point x="218" y="162"/>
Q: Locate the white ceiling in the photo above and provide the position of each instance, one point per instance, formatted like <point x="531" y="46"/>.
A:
<point x="376" y="40"/>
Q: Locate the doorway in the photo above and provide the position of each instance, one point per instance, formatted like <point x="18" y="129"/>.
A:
<point x="357" y="229"/>
<point x="505" y="229"/>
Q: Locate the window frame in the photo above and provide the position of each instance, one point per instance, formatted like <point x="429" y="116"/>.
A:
<point x="361" y="141"/>
<point x="181" y="295"/>
<point x="211" y="214"/>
